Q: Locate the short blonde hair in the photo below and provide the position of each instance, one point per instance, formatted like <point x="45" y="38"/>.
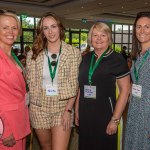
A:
<point x="100" y="26"/>
<point x="10" y="14"/>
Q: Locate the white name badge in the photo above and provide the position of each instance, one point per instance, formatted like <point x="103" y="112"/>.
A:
<point x="51" y="90"/>
<point x="137" y="90"/>
<point x="90" y="91"/>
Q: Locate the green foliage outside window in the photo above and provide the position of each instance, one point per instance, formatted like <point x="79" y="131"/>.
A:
<point x="28" y="36"/>
<point x="117" y="48"/>
<point x="28" y="23"/>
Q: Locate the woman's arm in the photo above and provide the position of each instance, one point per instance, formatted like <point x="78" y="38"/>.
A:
<point x="68" y="110"/>
<point x="77" y="109"/>
<point x="73" y="80"/>
<point x="66" y="117"/>
<point x="124" y="90"/>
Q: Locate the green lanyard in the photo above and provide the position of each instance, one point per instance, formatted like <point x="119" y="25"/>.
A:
<point x="93" y="67"/>
<point x="24" y="72"/>
<point x="136" y="71"/>
<point x="52" y="73"/>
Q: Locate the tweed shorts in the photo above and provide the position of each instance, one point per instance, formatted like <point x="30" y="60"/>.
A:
<point x="45" y="120"/>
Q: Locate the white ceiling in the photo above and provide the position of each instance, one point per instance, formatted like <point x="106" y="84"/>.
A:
<point x="121" y="11"/>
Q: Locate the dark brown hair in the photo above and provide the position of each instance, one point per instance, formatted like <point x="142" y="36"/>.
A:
<point x="40" y="42"/>
<point x="136" y="46"/>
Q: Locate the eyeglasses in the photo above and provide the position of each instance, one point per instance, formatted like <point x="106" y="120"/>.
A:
<point x="54" y="62"/>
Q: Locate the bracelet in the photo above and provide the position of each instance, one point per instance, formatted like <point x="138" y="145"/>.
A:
<point x="117" y="121"/>
<point x="68" y="110"/>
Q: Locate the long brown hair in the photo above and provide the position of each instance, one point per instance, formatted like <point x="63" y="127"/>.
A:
<point x="136" y="45"/>
<point x="40" y="42"/>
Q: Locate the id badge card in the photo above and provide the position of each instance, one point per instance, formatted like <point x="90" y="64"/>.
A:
<point x="51" y="90"/>
<point x="89" y="91"/>
<point x="137" y="90"/>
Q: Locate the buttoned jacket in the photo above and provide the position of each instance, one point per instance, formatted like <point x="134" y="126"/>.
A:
<point x="13" y="110"/>
<point x="68" y="69"/>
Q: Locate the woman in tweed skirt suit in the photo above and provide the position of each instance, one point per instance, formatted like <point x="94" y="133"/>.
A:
<point x="53" y="81"/>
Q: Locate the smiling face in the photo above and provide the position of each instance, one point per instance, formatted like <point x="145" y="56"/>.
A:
<point x="99" y="39"/>
<point x="143" y="30"/>
<point x="8" y="30"/>
<point x="51" y="30"/>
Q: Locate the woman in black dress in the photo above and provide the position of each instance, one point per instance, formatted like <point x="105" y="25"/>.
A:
<point x="99" y="111"/>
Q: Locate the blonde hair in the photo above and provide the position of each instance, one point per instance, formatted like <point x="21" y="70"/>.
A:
<point x="10" y="14"/>
<point x="100" y="26"/>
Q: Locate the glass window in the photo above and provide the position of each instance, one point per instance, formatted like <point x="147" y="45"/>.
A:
<point x="125" y="38"/>
<point x="28" y="22"/>
<point x="131" y="29"/>
<point x="130" y="38"/>
<point x="122" y="35"/>
<point x="125" y="29"/>
<point x="27" y="36"/>
<point x="36" y="21"/>
<point x="113" y="26"/>
<point x="67" y="37"/>
<point x="75" y="37"/>
<point x="118" y="28"/>
<point x="118" y="38"/>
<point x="130" y="48"/>
<point x="117" y="48"/>
<point x="83" y="38"/>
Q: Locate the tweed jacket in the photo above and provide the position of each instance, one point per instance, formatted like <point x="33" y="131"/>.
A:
<point x="70" y="59"/>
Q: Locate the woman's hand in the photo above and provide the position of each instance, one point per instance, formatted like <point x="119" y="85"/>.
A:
<point x="66" y="120"/>
<point x="9" y="141"/>
<point x="112" y="128"/>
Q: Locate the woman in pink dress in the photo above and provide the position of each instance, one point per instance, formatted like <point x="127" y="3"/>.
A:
<point x="13" y="108"/>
